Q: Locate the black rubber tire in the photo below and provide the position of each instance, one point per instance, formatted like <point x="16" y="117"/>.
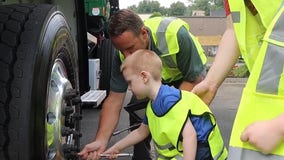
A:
<point x="105" y="53"/>
<point x="32" y="37"/>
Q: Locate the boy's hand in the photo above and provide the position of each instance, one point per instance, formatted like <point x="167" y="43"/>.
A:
<point x="205" y="91"/>
<point x="111" y="153"/>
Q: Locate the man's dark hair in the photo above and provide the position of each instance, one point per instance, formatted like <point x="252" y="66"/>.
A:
<point x="124" y="20"/>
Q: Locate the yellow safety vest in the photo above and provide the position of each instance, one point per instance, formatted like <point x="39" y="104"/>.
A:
<point x="164" y="32"/>
<point x="263" y="95"/>
<point x="166" y="132"/>
<point x="250" y="29"/>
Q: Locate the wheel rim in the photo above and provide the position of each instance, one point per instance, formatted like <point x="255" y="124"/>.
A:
<point x="58" y="87"/>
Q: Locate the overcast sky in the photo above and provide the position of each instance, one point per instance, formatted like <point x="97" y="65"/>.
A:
<point x="165" y="3"/>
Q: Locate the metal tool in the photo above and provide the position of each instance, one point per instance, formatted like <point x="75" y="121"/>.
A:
<point x="126" y="129"/>
<point x="118" y="155"/>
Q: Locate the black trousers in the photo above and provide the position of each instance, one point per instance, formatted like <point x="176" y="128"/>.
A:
<point x="136" y="109"/>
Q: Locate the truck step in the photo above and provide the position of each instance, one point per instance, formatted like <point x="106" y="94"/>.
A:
<point x="93" y="97"/>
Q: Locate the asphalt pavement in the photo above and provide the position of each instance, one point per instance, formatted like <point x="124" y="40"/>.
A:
<point x="224" y="107"/>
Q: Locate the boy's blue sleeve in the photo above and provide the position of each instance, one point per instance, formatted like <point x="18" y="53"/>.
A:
<point x="145" y="120"/>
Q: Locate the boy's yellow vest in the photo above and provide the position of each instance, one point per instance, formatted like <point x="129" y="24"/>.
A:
<point x="166" y="130"/>
<point x="263" y="95"/>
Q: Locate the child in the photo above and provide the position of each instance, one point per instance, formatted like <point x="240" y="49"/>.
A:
<point x="181" y="125"/>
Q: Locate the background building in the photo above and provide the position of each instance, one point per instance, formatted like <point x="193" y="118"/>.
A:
<point x="208" y="30"/>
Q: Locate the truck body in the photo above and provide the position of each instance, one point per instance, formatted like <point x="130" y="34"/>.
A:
<point x="55" y="58"/>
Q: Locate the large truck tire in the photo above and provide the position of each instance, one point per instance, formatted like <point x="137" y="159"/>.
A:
<point x="105" y="53"/>
<point x="39" y="105"/>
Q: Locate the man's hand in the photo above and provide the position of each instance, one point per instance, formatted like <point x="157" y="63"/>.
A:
<point x="92" y="150"/>
<point x="264" y="135"/>
<point x="205" y="91"/>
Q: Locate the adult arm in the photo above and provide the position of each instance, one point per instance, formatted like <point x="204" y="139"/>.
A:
<point x="109" y="115"/>
<point x="112" y="106"/>
<point x="265" y="135"/>
<point x="226" y="57"/>
<point x="189" y="141"/>
<point x="108" y="120"/>
<point x="189" y="61"/>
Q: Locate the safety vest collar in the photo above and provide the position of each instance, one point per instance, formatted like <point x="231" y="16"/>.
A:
<point x="266" y="14"/>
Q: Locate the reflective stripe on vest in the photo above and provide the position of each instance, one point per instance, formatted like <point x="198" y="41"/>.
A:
<point x="221" y="155"/>
<point x="164" y="34"/>
<point x="245" y="154"/>
<point x="263" y="95"/>
<point x="271" y="75"/>
<point x="177" y="157"/>
<point x="168" y="146"/>
<point x="166" y="41"/>
<point x="166" y="133"/>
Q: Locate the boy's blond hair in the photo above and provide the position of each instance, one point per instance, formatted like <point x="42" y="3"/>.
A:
<point x="144" y="60"/>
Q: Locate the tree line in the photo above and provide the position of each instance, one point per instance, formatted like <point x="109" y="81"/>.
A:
<point x="177" y="8"/>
